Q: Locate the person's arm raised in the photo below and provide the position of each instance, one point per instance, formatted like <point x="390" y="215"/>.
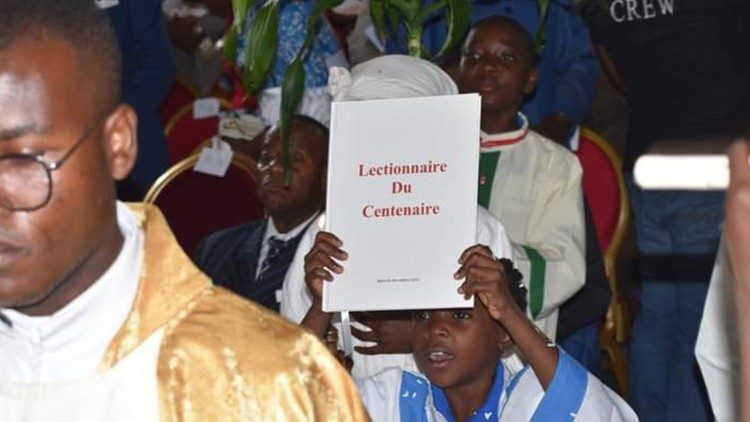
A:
<point x="486" y="278"/>
<point x="319" y="266"/>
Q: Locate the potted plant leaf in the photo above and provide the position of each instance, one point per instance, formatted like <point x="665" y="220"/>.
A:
<point x="387" y="17"/>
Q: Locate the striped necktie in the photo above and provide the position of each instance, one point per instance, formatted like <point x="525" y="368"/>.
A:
<point x="275" y="247"/>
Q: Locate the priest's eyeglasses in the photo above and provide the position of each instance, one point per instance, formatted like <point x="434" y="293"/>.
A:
<point x="26" y="179"/>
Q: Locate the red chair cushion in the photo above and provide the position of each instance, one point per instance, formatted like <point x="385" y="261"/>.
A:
<point x="178" y="97"/>
<point x="187" y="134"/>
<point x="601" y="187"/>
<point x="197" y="204"/>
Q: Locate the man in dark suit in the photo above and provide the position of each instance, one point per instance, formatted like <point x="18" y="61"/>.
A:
<point x="252" y="259"/>
<point x="148" y="72"/>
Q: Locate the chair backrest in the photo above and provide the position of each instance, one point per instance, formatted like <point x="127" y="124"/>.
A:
<point x="197" y="204"/>
<point x="180" y="95"/>
<point x="608" y="198"/>
<point x="605" y="191"/>
<point x="185" y="134"/>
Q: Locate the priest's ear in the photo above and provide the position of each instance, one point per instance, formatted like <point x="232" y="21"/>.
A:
<point x="121" y="141"/>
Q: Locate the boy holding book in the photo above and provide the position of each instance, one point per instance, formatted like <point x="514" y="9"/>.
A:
<point x="459" y="354"/>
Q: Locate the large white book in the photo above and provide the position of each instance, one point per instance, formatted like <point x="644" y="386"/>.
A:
<point x="402" y="196"/>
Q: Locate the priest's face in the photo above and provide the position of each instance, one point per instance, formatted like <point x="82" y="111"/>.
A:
<point x="306" y="191"/>
<point x="457" y="348"/>
<point x="58" y="231"/>
<point x="497" y="63"/>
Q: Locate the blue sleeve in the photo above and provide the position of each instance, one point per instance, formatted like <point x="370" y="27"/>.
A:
<point x="576" y="65"/>
<point x="565" y="394"/>
<point x="148" y="66"/>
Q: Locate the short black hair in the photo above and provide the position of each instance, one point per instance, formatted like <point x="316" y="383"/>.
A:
<point x="319" y="127"/>
<point x="314" y="124"/>
<point x="81" y="24"/>
<point x="514" y="25"/>
<point x="515" y="286"/>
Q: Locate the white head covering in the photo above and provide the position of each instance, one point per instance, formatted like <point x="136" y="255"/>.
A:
<point x="391" y="76"/>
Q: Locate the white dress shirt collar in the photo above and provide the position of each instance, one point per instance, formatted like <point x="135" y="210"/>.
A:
<point x="272" y="231"/>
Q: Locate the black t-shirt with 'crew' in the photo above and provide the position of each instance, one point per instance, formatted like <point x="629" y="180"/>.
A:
<point x="685" y="64"/>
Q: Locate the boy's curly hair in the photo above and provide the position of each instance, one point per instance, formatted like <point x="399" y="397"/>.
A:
<point x="517" y="288"/>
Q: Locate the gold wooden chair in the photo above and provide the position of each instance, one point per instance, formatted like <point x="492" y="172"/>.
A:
<point x="607" y="195"/>
<point x="197" y="204"/>
<point x="180" y="94"/>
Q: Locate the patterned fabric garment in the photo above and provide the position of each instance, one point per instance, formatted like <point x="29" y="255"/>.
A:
<point x="325" y="51"/>
<point x="295" y="378"/>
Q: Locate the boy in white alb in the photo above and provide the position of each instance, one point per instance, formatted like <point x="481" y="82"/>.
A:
<point x="460" y="354"/>
<point x="528" y="182"/>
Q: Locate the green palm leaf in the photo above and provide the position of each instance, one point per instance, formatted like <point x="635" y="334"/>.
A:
<point x="377" y="12"/>
<point x="260" y="48"/>
<point x="239" y="10"/>
<point x="458" y="19"/>
<point x="293" y="85"/>
<point x="291" y="95"/>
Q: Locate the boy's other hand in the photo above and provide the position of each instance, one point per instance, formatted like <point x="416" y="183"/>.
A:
<point x="319" y="262"/>
<point x="391" y="331"/>
<point x="485" y="277"/>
